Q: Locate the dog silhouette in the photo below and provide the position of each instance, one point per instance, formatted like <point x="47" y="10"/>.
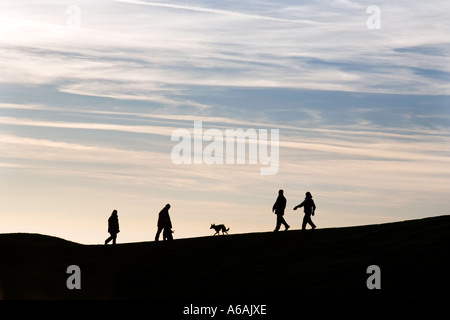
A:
<point x="218" y="228"/>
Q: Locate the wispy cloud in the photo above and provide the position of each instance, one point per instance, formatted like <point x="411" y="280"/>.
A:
<point x="217" y="11"/>
<point x="130" y="57"/>
<point x="87" y="126"/>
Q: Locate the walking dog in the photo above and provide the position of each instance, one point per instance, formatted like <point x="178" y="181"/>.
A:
<point x="218" y="228"/>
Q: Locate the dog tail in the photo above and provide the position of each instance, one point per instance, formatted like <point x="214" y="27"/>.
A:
<point x="227" y="229"/>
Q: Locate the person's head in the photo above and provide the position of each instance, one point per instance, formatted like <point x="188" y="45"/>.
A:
<point x="308" y="194"/>
<point x="280" y="192"/>
<point x="114" y="213"/>
<point x="167" y="206"/>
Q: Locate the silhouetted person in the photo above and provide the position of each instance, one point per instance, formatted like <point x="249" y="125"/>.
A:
<point x="308" y="207"/>
<point x="113" y="227"/>
<point x="165" y="224"/>
<point x="278" y="208"/>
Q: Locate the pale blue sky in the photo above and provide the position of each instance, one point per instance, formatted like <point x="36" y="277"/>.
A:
<point x="87" y="111"/>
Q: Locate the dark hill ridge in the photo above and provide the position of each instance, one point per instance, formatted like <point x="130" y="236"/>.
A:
<point x="31" y="239"/>
<point x="317" y="264"/>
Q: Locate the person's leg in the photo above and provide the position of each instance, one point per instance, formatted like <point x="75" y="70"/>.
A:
<point x="109" y="239"/>
<point x="305" y="221"/>
<point x="167" y="234"/>
<point x="158" y="233"/>
<point x="277" y="227"/>
<point x="284" y="223"/>
<point x="311" y="223"/>
<point x="114" y="237"/>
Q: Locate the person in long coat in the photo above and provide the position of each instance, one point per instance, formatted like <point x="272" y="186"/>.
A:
<point x="113" y="227"/>
<point x="278" y="209"/>
<point x="165" y="224"/>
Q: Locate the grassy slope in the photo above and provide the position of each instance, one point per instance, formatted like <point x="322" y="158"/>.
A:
<point x="317" y="264"/>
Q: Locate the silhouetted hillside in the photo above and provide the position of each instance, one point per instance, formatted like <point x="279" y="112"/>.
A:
<point x="315" y="264"/>
<point x="31" y="239"/>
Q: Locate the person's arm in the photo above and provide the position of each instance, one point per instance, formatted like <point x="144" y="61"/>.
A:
<point x="276" y="205"/>
<point x="313" y="206"/>
<point x="299" y="206"/>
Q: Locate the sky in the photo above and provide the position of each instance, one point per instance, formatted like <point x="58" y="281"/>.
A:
<point x="91" y="93"/>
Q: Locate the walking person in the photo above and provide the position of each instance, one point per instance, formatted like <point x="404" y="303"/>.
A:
<point x="308" y="208"/>
<point x="113" y="227"/>
<point x="278" y="209"/>
<point x="164" y="224"/>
